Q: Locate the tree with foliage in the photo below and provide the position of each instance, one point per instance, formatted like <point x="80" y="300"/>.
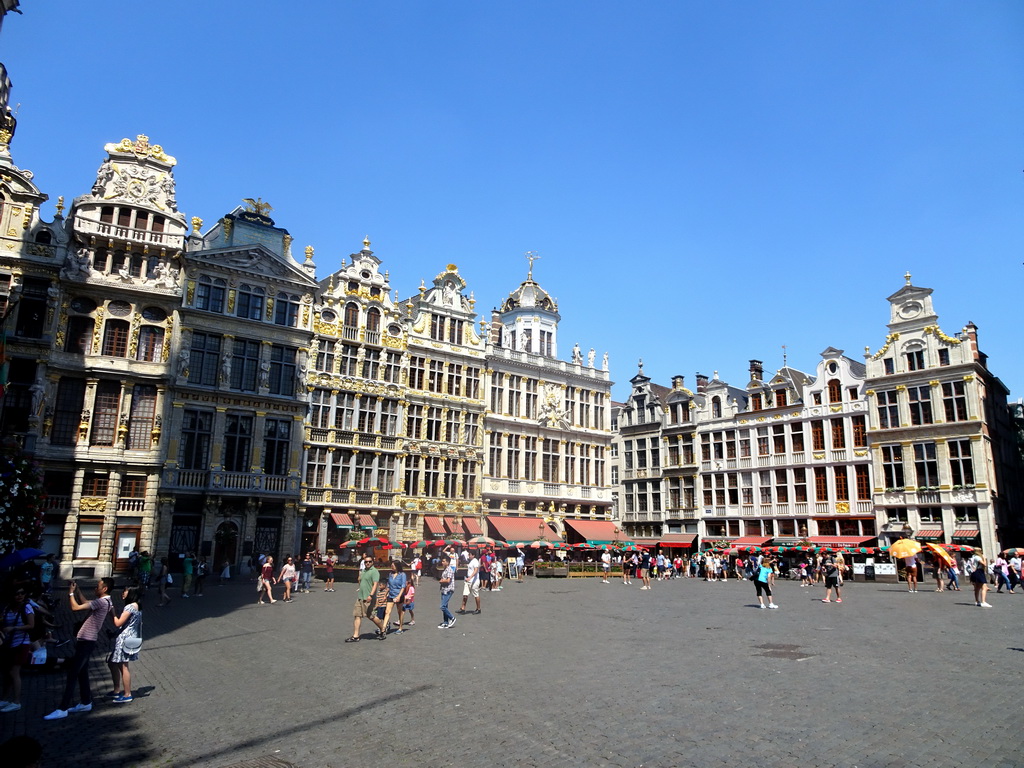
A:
<point x="21" y="500"/>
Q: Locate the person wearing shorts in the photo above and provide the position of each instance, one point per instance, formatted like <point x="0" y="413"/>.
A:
<point x="831" y="570"/>
<point x="364" y="606"/>
<point x="471" y="586"/>
<point x="763" y="583"/>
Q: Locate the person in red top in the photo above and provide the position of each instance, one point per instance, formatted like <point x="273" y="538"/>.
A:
<point x="84" y="644"/>
<point x="267" y="580"/>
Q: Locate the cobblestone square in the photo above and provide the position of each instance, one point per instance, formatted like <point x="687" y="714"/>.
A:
<point x="558" y="672"/>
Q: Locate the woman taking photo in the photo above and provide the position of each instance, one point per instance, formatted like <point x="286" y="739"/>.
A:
<point x="127" y="645"/>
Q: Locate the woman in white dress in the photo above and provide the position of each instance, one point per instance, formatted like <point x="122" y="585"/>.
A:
<point x="127" y="645"/>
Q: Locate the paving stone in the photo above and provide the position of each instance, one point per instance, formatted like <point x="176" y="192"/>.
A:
<point x="558" y="673"/>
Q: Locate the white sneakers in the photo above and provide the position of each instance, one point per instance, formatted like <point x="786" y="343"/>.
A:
<point x="984" y="605"/>
<point x="60" y="714"/>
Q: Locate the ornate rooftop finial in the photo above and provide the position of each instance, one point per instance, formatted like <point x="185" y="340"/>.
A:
<point x="366" y="243"/>
<point x="60" y="205"/>
<point x="783" y="355"/>
<point x="531" y="256"/>
<point x="907" y="277"/>
<point x="640" y="366"/>
<point x="257" y="206"/>
<point x="197" y="224"/>
<point x="309" y="253"/>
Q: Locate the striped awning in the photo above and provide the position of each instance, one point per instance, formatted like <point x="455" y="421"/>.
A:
<point x="434" y="525"/>
<point x="341" y="520"/>
<point x="929" y="533"/>
<point x="472" y="527"/>
<point x="365" y="521"/>
<point x="966" y="533"/>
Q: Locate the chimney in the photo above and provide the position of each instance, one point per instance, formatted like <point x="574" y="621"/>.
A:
<point x="678" y="382"/>
<point x="702" y="383"/>
<point x="756" y="370"/>
<point x="971" y="331"/>
<point x="496" y="328"/>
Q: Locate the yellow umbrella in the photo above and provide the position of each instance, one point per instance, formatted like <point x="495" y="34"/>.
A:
<point x="905" y="548"/>
<point x="942" y="553"/>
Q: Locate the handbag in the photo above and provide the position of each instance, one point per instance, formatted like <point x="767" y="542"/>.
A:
<point x="132" y="644"/>
<point x="170" y="580"/>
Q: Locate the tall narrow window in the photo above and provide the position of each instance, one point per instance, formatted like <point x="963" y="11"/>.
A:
<point x="237" y="442"/>
<point x="892" y="466"/>
<point x="888" y="409"/>
<point x="954" y="400"/>
<point x="245" y="364"/>
<point x="196" y="433"/>
<point x="863" y="482"/>
<point x="67" y="411"/>
<point x="820" y="484"/>
<point x="925" y="465"/>
<point x="140" y="422"/>
<point x="920" y="405"/>
<point x="205" y="359"/>
<point x="210" y="294"/>
<point x="105" y="413"/>
<point x="838" y="434"/>
<point x="79" y="339"/>
<point x="250" y="302"/>
<point x="961" y="464"/>
<point x="282" y="370"/>
<point x="860" y="432"/>
<point x="817" y="435"/>
<point x="276" y="446"/>
<point x="842" y="484"/>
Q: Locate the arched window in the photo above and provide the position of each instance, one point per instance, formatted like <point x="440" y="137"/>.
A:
<point x="835" y="391"/>
<point x="716" y="407"/>
<point x="43" y="236"/>
<point x="351" y="315"/>
<point x="372" y="319"/>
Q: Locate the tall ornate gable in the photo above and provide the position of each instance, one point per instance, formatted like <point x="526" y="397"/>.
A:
<point x="443" y="424"/>
<point x="547" y="424"/>
<point x="240" y="369"/>
<point x="941" y="444"/>
<point x="357" y="395"/>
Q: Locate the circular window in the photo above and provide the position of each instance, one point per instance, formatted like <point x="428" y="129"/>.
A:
<point x="395" y="330"/>
<point x="154" y="314"/>
<point x="82" y="304"/>
<point x="328" y="316"/>
<point x="832" y="367"/>
<point x="119" y="308"/>
<point x="365" y="275"/>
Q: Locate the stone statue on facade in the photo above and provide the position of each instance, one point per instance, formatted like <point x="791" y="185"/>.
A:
<point x="577" y="355"/>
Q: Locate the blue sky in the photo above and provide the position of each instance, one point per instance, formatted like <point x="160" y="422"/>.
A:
<point x="704" y="181"/>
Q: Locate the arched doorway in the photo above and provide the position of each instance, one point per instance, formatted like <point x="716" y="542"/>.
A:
<point x="225" y="548"/>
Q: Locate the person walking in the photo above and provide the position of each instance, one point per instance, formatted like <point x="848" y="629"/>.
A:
<point x="18" y="622"/>
<point x="520" y="564"/>
<point x="407" y="605"/>
<point x="366" y="593"/>
<point x="953" y="572"/>
<point x="187" y="571"/>
<point x="163" y="578"/>
<point x="416" y="568"/>
<point x="202" y="569"/>
<point x="471" y="586"/>
<point x="287" y="575"/>
<point x="85" y="643"/>
<point x="127" y="645"/>
<point x="645" y="569"/>
<point x="979" y="579"/>
<point x="329" y="572"/>
<point x="763" y="582"/>
<point x="832" y="579"/>
<point x="397" y="581"/>
<point x="1001" y="570"/>
<point x="606" y="566"/>
<point x="447" y="582"/>
<point x="145" y="570"/>
<point x="266" y="581"/>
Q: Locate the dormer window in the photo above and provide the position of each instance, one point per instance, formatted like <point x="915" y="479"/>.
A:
<point x="716" y="407"/>
<point x="755" y="402"/>
<point x="780" y="398"/>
